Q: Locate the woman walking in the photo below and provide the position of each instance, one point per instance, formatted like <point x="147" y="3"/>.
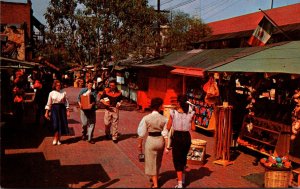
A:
<point x="155" y="125"/>
<point x="180" y="120"/>
<point x="59" y="107"/>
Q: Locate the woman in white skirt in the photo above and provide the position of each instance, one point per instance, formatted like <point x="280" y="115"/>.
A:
<point x="155" y="125"/>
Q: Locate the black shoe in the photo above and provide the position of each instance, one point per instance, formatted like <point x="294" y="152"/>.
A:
<point x="83" y="137"/>
<point x="107" y="137"/>
<point x="91" y="141"/>
<point x="115" y="141"/>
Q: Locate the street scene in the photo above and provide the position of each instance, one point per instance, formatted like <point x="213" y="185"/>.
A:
<point x="150" y="94"/>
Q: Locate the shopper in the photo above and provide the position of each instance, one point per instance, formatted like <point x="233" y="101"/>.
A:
<point x="155" y="125"/>
<point x="40" y="101"/>
<point x="180" y="119"/>
<point x="88" y="115"/>
<point x="59" y="107"/>
<point x="112" y="99"/>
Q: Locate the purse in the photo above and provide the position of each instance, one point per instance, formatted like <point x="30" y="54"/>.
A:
<point x="141" y="157"/>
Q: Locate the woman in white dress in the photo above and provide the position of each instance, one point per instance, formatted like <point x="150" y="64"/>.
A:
<point x="155" y="125"/>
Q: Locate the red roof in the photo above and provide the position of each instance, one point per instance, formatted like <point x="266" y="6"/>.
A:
<point x="281" y="16"/>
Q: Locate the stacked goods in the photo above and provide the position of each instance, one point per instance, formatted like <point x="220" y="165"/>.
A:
<point x="276" y="162"/>
<point x="277" y="171"/>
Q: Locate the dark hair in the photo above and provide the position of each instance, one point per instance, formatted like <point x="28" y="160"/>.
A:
<point x="90" y="81"/>
<point x="156" y="103"/>
<point x="113" y="81"/>
<point x="181" y="99"/>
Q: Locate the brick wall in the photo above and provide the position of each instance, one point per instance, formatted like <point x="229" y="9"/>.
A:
<point x="16" y="13"/>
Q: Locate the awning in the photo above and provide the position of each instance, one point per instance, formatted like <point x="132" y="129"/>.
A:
<point x="188" y="72"/>
<point x="279" y="59"/>
<point x="14" y="63"/>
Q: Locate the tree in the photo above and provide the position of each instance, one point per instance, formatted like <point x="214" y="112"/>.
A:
<point x="186" y="30"/>
<point x="90" y="31"/>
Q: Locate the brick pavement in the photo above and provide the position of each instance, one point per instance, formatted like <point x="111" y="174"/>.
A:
<point x="28" y="158"/>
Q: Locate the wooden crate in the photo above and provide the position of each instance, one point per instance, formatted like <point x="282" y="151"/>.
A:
<point x="295" y="180"/>
<point x="85" y="102"/>
<point x="196" y="155"/>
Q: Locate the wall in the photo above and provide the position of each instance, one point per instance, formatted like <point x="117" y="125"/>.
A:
<point x="16" y="13"/>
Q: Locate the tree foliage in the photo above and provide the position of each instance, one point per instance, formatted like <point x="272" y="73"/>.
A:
<point x="186" y="30"/>
<point x="90" y="31"/>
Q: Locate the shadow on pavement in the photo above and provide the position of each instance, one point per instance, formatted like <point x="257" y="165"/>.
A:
<point x="197" y="174"/>
<point x="165" y="176"/>
<point x="72" y="140"/>
<point x="23" y="135"/>
<point x="33" y="170"/>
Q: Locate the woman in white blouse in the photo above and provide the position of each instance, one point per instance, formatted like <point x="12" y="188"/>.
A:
<point x="181" y="120"/>
<point x="59" y="107"/>
<point x="155" y="125"/>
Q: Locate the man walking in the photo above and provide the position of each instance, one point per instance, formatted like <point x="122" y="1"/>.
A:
<point x="112" y="99"/>
<point x="88" y="113"/>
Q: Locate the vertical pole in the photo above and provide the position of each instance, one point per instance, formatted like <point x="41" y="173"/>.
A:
<point x="158" y="30"/>
<point x="271" y="4"/>
<point x="184" y="84"/>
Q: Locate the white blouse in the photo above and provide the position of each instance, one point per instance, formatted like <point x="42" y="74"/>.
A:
<point x="181" y="121"/>
<point x="56" y="97"/>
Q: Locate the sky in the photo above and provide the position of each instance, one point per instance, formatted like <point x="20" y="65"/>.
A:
<point x="208" y="11"/>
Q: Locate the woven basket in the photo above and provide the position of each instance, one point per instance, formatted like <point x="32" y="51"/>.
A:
<point x="277" y="179"/>
<point x="199" y="142"/>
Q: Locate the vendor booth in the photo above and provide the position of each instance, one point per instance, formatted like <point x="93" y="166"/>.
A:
<point x="269" y="81"/>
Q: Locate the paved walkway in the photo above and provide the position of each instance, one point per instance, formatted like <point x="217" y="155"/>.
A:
<point x="29" y="159"/>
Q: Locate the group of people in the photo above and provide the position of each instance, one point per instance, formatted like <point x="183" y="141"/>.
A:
<point x="57" y="110"/>
<point x="155" y="126"/>
<point x="158" y="127"/>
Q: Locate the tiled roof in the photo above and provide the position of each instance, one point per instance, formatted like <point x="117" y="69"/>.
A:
<point x="281" y="16"/>
<point x="290" y="28"/>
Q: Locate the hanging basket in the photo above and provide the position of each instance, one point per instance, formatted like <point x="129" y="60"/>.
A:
<point x="277" y="178"/>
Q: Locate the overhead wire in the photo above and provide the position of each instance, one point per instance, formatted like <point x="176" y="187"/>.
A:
<point x="181" y="4"/>
<point x="168" y="1"/>
<point x="215" y="6"/>
<point x="233" y="2"/>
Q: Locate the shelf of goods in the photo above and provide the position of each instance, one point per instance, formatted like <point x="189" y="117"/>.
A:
<point x="264" y="136"/>
<point x="295" y="181"/>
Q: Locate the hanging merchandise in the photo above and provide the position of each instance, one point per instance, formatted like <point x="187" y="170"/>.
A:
<point x="296" y="116"/>
<point x="212" y="91"/>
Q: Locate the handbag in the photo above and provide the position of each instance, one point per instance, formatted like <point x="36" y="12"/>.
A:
<point x="141" y="157"/>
